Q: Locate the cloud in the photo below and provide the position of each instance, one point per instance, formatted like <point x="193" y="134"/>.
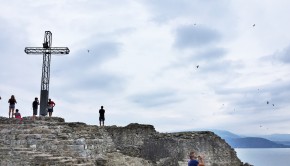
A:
<point x="155" y="99"/>
<point x="283" y="55"/>
<point x="221" y="66"/>
<point x="254" y="98"/>
<point x="100" y="81"/>
<point x="191" y="37"/>
<point x="210" y="54"/>
<point x="87" y="60"/>
<point x="95" y="54"/>
<point x="166" y="10"/>
<point x="5" y="39"/>
<point x="280" y="56"/>
<point x="83" y="69"/>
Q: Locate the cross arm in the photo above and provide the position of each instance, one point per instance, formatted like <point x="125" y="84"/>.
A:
<point x="51" y="50"/>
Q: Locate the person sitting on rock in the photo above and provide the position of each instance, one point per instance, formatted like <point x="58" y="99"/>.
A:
<point x="192" y="161"/>
<point x="18" y="115"/>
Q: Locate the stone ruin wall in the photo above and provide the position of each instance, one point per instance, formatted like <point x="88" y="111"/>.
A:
<point x="52" y="142"/>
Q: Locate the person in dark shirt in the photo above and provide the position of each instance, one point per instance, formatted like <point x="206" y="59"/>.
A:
<point x="35" y="104"/>
<point x="102" y="116"/>
<point x="12" y="101"/>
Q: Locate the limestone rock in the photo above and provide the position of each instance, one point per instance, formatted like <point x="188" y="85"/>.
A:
<point x="51" y="141"/>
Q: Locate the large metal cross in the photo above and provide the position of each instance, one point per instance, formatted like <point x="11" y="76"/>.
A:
<point x="46" y="50"/>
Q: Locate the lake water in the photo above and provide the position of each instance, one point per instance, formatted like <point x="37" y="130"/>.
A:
<point x="264" y="156"/>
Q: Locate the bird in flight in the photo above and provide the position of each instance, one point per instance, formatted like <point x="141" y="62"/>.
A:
<point x="267" y="102"/>
<point x="197" y="66"/>
<point x="88" y="51"/>
<point x="254" y="25"/>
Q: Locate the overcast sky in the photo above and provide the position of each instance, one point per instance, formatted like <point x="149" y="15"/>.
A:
<point x="143" y="57"/>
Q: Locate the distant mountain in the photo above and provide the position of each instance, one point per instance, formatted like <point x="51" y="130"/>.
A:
<point x="277" y="137"/>
<point x="283" y="142"/>
<point x="237" y="141"/>
<point x="264" y="141"/>
<point x="225" y="134"/>
<point x="253" y="142"/>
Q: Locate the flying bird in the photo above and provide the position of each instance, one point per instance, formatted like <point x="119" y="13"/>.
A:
<point x="197" y="66"/>
<point x="267" y="102"/>
<point x="273" y="105"/>
<point x="88" y="51"/>
<point x="254" y="25"/>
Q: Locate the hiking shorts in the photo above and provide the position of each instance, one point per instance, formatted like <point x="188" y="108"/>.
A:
<point x="34" y="111"/>
<point x="12" y="106"/>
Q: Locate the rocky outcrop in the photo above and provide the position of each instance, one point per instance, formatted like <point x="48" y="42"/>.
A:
<point x="52" y="141"/>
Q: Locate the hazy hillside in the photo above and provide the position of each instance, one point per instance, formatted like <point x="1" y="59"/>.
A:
<point x="278" y="137"/>
<point x="265" y="141"/>
<point x="237" y="141"/>
<point x="225" y="134"/>
<point x="253" y="142"/>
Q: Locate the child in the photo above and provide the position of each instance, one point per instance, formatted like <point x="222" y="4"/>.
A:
<point x="18" y="115"/>
<point x="192" y="161"/>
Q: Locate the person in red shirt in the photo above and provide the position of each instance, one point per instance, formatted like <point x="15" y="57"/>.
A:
<point x="50" y="106"/>
<point x="18" y="115"/>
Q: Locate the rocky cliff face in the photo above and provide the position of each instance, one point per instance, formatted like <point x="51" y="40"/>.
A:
<point x="51" y="141"/>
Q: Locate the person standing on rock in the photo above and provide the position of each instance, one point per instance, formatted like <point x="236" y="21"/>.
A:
<point x="50" y="105"/>
<point x="12" y="101"/>
<point x="102" y="116"/>
<point x="192" y="161"/>
<point x="35" y="104"/>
